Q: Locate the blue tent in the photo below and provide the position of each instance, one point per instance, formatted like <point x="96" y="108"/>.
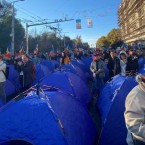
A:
<point x="106" y="97"/>
<point x="10" y="88"/>
<point x="142" y="70"/>
<point x="41" y="72"/>
<point x="76" y="70"/>
<point x="141" y="62"/>
<point x="14" y="77"/>
<point x="51" y="64"/>
<point x="114" y="131"/>
<point x="56" y="119"/>
<point x="69" y="83"/>
<point x="87" y="62"/>
<point x="80" y="64"/>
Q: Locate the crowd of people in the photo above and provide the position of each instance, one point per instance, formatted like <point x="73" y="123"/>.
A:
<point x="117" y="62"/>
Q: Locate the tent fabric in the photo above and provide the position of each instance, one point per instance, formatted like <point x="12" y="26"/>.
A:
<point x="141" y="62"/>
<point x="41" y="72"/>
<point x="14" y="77"/>
<point x="10" y="88"/>
<point x="87" y="62"/>
<point x="105" y="99"/>
<point x="33" y="120"/>
<point x="74" y="69"/>
<point x="69" y="83"/>
<point x="51" y="64"/>
<point x="114" y="132"/>
<point x="141" y="70"/>
<point x="16" y="142"/>
<point x="80" y="64"/>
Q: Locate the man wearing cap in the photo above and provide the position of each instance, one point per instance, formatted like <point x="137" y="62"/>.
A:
<point x="98" y="69"/>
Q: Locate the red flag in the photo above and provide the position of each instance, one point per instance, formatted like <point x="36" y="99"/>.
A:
<point x="7" y="54"/>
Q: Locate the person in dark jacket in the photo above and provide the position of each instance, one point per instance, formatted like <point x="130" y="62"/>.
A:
<point x="132" y="62"/>
<point x="26" y="69"/>
<point x="113" y="65"/>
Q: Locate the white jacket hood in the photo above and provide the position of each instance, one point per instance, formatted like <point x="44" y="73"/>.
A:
<point x="122" y="52"/>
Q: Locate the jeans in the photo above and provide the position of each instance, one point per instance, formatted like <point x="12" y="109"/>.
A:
<point x="2" y="92"/>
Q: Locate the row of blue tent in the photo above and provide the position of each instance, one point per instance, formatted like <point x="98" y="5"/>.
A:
<point x="71" y="121"/>
<point x="57" y="114"/>
<point x="111" y="104"/>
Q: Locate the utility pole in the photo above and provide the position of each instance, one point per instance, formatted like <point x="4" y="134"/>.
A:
<point x="27" y="39"/>
<point x="13" y="27"/>
<point x="13" y="30"/>
<point x="43" y="23"/>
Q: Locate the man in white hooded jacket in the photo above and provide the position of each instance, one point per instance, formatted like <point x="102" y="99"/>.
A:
<point x="135" y="113"/>
<point x="2" y="80"/>
<point x="123" y="62"/>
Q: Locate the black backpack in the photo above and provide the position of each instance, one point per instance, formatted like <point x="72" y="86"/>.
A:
<point x="6" y="73"/>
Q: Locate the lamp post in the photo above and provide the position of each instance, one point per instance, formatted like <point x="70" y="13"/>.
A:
<point x="13" y="26"/>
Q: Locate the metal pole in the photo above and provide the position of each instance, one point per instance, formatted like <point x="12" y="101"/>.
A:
<point x="27" y="39"/>
<point x="13" y="30"/>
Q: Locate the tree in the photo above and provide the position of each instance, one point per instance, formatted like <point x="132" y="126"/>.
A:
<point x="78" y="41"/>
<point x="102" y="42"/>
<point x="5" y="29"/>
<point x="114" y="38"/>
<point x="5" y="9"/>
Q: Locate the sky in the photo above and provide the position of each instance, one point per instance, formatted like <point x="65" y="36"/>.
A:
<point x="102" y="12"/>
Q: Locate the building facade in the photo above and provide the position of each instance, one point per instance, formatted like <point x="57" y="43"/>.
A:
<point x="131" y="17"/>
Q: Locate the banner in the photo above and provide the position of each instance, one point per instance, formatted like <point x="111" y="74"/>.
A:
<point x="78" y="24"/>
<point x="89" y="23"/>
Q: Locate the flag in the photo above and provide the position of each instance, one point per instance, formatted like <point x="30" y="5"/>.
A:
<point x="8" y="54"/>
<point x="37" y="49"/>
<point x="78" y="24"/>
<point x="21" y="48"/>
<point x="89" y="23"/>
<point x="68" y="47"/>
<point x="52" y="48"/>
<point x="51" y="51"/>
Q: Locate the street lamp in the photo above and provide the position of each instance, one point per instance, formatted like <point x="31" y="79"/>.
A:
<point x="13" y="26"/>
